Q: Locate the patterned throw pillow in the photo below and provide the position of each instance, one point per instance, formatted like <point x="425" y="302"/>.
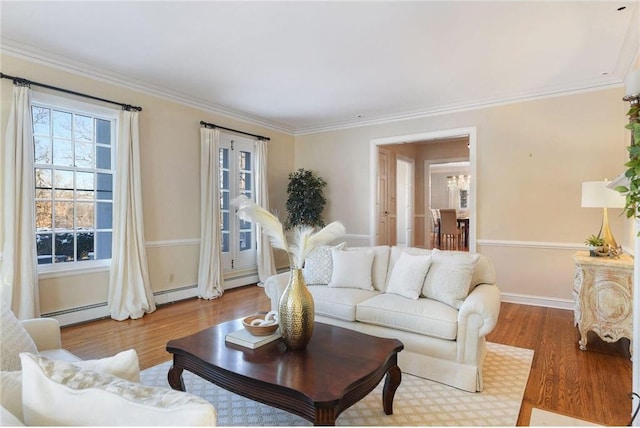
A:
<point x="319" y="265"/>
<point x="13" y="340"/>
<point x="60" y="393"/>
<point x="449" y="277"/>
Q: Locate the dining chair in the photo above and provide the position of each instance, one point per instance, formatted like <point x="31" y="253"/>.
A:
<point x="450" y="233"/>
<point x="435" y="227"/>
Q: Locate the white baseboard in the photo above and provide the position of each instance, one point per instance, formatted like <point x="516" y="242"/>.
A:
<point x="547" y="302"/>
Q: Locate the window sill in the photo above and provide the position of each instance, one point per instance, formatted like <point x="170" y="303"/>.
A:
<point x="60" y="270"/>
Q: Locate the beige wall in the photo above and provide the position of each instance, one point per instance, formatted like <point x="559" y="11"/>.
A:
<point x="170" y="163"/>
<point x="531" y="160"/>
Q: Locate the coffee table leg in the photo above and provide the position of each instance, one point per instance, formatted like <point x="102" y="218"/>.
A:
<point x="175" y="378"/>
<point x="391" y="384"/>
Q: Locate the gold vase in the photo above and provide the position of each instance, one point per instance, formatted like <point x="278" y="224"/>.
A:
<point x="296" y="312"/>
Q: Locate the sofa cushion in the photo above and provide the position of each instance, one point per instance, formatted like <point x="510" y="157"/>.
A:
<point x="13" y="340"/>
<point x="422" y="316"/>
<point x="318" y="265"/>
<point x="408" y="274"/>
<point x="449" y="277"/>
<point x="124" y="365"/>
<point x="60" y="393"/>
<point x="339" y="303"/>
<point x="352" y="269"/>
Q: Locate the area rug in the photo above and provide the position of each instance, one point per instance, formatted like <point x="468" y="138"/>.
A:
<point x="418" y="402"/>
<point x="544" y="418"/>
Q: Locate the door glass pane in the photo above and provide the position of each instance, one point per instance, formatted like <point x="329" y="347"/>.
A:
<point x="245" y="240"/>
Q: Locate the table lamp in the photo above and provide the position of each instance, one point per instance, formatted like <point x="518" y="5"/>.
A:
<point x="596" y="194"/>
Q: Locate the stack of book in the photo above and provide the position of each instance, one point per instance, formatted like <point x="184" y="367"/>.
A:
<point x="243" y="338"/>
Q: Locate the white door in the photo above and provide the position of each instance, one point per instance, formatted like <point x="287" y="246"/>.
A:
<point x="236" y="178"/>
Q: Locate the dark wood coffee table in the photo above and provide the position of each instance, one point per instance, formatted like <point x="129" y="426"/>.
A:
<point x="338" y="368"/>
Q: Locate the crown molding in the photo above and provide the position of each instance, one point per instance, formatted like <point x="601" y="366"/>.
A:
<point x="23" y="51"/>
<point x="14" y="48"/>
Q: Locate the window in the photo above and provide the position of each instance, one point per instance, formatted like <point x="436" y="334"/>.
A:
<point x="74" y="155"/>
<point x="236" y="178"/>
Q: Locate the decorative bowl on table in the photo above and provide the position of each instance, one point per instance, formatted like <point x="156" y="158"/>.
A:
<point x="261" y="324"/>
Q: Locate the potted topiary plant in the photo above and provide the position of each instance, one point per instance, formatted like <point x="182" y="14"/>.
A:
<point x="305" y="201"/>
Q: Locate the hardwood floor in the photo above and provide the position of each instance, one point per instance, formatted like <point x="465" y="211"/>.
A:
<point x="591" y="385"/>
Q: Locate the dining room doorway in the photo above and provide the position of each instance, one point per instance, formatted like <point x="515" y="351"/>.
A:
<point x="421" y="215"/>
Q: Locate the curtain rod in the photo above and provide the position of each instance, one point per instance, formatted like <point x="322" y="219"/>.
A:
<point x="26" y="82"/>
<point x="213" y="125"/>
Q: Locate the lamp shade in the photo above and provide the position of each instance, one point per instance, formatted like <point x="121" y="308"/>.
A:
<point x="596" y="194"/>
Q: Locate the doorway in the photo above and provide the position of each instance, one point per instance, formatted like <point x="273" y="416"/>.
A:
<point x="470" y="134"/>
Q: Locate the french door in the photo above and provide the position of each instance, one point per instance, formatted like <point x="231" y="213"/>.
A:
<point x="236" y="178"/>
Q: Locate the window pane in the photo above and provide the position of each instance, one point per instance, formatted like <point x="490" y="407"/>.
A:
<point x="42" y="150"/>
<point x="225" y="221"/>
<point x="63" y="215"/>
<point x="41" y="120"/>
<point x="44" y="216"/>
<point x="83" y="127"/>
<point x="62" y="152"/>
<point x="245" y="225"/>
<point x="103" y="132"/>
<point x="63" y="184"/>
<point x="224" y="182"/>
<point x="84" y="180"/>
<point x="224" y="158"/>
<point x="64" y="247"/>
<point x="104" y="186"/>
<point x="103" y="157"/>
<point x="245" y="181"/>
<point x="104" y="215"/>
<point x="103" y="246"/>
<point x="245" y="161"/>
<point x="224" y="196"/>
<point x="85" y="246"/>
<point x="43" y="248"/>
<point x="43" y="178"/>
<point x="84" y="155"/>
<point x="84" y="215"/>
<point x="61" y="124"/>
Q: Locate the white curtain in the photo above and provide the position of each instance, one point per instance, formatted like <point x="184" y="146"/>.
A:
<point x="266" y="264"/>
<point x="210" y="280"/>
<point x="130" y="294"/>
<point x="19" y="271"/>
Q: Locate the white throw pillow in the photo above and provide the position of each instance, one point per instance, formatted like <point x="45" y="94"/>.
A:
<point x="318" y="265"/>
<point x="13" y="340"/>
<point x="352" y="269"/>
<point x="408" y="274"/>
<point x="60" y="393"/>
<point x="449" y="277"/>
<point x="124" y="365"/>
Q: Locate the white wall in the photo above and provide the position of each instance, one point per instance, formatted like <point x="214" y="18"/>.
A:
<point x="531" y="160"/>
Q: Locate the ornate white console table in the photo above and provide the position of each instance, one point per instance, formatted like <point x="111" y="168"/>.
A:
<point x="603" y="297"/>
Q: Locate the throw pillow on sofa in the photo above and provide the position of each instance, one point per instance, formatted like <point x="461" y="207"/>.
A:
<point x="318" y="265"/>
<point x="13" y="340"/>
<point x="408" y="275"/>
<point x="449" y="277"/>
<point x="124" y="365"/>
<point x="352" y="269"/>
<point x="60" y="393"/>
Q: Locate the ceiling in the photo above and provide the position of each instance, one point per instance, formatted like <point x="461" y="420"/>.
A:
<point x="304" y="66"/>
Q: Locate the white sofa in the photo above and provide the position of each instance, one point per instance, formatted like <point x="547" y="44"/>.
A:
<point x="43" y="384"/>
<point x="442" y="342"/>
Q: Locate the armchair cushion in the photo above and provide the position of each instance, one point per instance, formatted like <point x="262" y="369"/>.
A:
<point x="13" y="340"/>
<point x="60" y="393"/>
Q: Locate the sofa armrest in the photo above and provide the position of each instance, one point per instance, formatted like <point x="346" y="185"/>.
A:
<point x="45" y="332"/>
<point x="274" y="287"/>
<point x="484" y="301"/>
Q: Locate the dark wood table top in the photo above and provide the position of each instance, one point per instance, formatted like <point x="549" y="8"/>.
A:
<point x="336" y="369"/>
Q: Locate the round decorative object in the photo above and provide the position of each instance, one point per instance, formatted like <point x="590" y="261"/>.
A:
<point x="261" y="324"/>
<point x="296" y="312"/>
